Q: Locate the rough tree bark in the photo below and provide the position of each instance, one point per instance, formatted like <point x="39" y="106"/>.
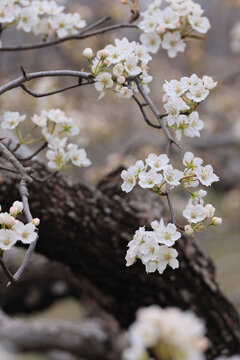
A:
<point x="88" y="230"/>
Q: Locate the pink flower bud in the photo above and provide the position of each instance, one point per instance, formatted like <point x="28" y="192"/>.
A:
<point x="88" y="53"/>
<point x="103" y="53"/>
<point x="160" y="29"/>
<point x="36" y="221"/>
<point x="217" y="221"/>
<point x="121" y="79"/>
<point x="13" y="210"/>
<point x="124" y="2"/>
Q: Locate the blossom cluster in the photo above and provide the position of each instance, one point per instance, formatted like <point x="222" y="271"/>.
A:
<point x="182" y="98"/>
<point x="115" y="63"/>
<point x="166" y="334"/>
<point x="235" y="38"/>
<point x="13" y="230"/>
<point x="170" y="26"/>
<point x="154" y="248"/>
<point x="157" y="172"/>
<point x="42" y="17"/>
<point x="55" y="127"/>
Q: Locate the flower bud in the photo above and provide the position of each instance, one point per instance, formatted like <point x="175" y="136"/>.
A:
<point x="103" y="53"/>
<point x="18" y="205"/>
<point x="36" y="221"/>
<point x="160" y="29"/>
<point x="121" y="79"/>
<point x="88" y="53"/>
<point x="217" y="221"/>
<point x="13" y="210"/>
<point x="209" y="210"/>
<point x="124" y="2"/>
<point x="118" y="70"/>
<point x="6" y="219"/>
<point x="189" y="230"/>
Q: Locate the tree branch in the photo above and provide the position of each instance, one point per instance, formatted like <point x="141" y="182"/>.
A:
<point x="89" y="339"/>
<point x="80" y="36"/>
<point x="27" y="77"/>
<point x="88" y="229"/>
<point x="155" y="111"/>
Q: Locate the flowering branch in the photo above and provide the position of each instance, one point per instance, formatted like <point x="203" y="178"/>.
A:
<point x="155" y="111"/>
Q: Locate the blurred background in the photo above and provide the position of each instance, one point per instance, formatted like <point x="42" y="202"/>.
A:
<point x="114" y="133"/>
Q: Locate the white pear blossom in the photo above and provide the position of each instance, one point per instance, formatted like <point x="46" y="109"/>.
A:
<point x="103" y="81"/>
<point x="157" y="162"/>
<point x="78" y="156"/>
<point x="168" y="235"/>
<point x="57" y="159"/>
<point x="172" y="176"/>
<point x="175" y="333"/>
<point x="206" y="175"/>
<point x="12" y="119"/>
<point x="149" y="179"/>
<point x="168" y="18"/>
<point x="8" y="238"/>
<point x="194" y="213"/>
<point x="25" y="233"/>
<point x="197" y="93"/>
<point x="151" y="40"/>
<point x="167" y="256"/>
<point x="191" y="161"/>
<point x="208" y="82"/>
<point x="129" y="180"/>
<point x="199" y="23"/>
<point x="173" y="43"/>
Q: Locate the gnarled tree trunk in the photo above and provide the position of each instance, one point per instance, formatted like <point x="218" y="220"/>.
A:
<point x="88" y="230"/>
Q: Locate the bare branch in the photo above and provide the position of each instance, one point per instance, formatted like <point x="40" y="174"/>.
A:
<point x="6" y="271"/>
<point x="36" y="95"/>
<point x="79" y="36"/>
<point x="44" y="145"/>
<point x="22" y="79"/>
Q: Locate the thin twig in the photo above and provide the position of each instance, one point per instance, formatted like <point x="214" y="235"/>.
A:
<point x="80" y="36"/>
<point x="55" y="173"/>
<point x="37" y="95"/>
<point x="44" y="145"/>
<point x="9" y="170"/>
<point x="6" y="271"/>
<point x="168" y="188"/>
<point x="141" y="107"/>
<point x="155" y="111"/>
<point x="24" y="195"/>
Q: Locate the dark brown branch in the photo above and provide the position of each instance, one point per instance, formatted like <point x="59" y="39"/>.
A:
<point x="155" y="111"/>
<point x="27" y="158"/>
<point x="37" y="95"/>
<point x="141" y="107"/>
<point x="80" y="36"/>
